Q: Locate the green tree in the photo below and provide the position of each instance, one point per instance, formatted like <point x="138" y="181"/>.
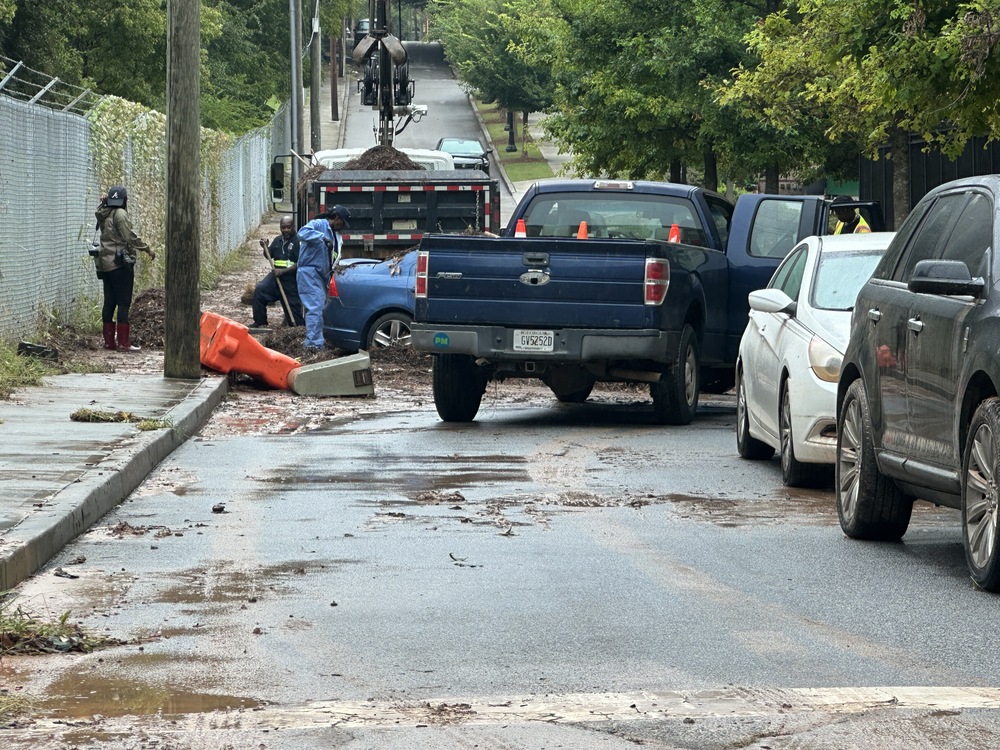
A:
<point x="481" y="40"/>
<point x="872" y="72"/>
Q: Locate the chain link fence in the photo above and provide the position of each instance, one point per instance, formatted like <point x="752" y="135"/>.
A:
<point x="49" y="190"/>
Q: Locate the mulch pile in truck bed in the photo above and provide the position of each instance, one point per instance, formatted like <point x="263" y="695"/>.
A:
<point x="374" y="159"/>
<point x="381" y="157"/>
<point x="145" y="319"/>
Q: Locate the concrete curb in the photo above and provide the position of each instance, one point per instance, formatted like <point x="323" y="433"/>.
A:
<point x="489" y="144"/>
<point x="76" y="507"/>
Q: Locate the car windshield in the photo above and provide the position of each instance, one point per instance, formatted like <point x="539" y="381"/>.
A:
<point x="840" y="275"/>
<point x="472" y="148"/>
<point x="614" y="215"/>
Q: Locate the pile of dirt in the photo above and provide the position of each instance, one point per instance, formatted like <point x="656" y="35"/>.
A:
<point x="145" y="319"/>
<point x="400" y="358"/>
<point x="382" y="158"/>
<point x="312" y="173"/>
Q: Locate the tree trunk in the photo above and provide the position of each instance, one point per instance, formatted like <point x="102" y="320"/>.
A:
<point x="772" y="177"/>
<point x="711" y="172"/>
<point x="675" y="170"/>
<point x="899" y="154"/>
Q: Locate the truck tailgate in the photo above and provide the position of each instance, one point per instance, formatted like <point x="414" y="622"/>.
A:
<point x="561" y="284"/>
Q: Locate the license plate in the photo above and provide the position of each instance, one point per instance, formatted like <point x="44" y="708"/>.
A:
<point x="533" y="341"/>
<point x="404" y="224"/>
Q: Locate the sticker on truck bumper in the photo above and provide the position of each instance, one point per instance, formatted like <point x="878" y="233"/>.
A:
<point x="441" y="341"/>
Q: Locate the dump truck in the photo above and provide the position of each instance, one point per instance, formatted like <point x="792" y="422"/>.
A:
<point x="392" y="209"/>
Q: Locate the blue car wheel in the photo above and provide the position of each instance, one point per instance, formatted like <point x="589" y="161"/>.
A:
<point x="392" y="329"/>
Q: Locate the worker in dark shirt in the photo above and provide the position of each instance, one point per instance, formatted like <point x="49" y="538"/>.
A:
<point x="284" y="251"/>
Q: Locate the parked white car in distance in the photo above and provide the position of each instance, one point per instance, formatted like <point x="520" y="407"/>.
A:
<point x="790" y="354"/>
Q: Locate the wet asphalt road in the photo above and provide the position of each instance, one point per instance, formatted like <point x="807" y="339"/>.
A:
<point x="597" y="582"/>
<point x="587" y="552"/>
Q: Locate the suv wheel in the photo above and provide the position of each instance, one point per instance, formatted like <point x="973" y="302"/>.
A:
<point x="746" y="445"/>
<point x="980" y="495"/>
<point x="869" y="504"/>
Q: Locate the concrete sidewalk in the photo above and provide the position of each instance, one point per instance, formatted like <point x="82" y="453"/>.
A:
<point x="58" y="477"/>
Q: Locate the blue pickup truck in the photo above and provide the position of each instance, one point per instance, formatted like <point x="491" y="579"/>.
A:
<point x="605" y="280"/>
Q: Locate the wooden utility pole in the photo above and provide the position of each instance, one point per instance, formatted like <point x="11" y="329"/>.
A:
<point x="182" y="310"/>
<point x="295" y="54"/>
<point x="334" y="79"/>
<point x="315" y="83"/>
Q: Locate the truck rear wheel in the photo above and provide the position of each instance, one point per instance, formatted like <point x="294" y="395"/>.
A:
<point x="458" y="387"/>
<point x="675" y="395"/>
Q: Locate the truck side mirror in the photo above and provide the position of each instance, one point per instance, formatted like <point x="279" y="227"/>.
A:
<point x="277" y="176"/>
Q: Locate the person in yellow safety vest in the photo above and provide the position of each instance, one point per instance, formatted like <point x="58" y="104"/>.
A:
<point x="849" y="221"/>
<point x="284" y="251"/>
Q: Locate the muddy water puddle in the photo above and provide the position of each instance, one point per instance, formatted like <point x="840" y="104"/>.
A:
<point x="221" y="586"/>
<point x="797" y="506"/>
<point x="84" y="694"/>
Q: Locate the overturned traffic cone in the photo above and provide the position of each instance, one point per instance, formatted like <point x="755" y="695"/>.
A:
<point x="519" y="229"/>
<point x="227" y="346"/>
<point x="581" y="233"/>
<point x="675" y="233"/>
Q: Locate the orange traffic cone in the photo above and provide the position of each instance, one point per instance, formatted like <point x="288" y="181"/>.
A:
<point x="675" y="233"/>
<point x="519" y="229"/>
<point x="227" y="346"/>
<point x="581" y="233"/>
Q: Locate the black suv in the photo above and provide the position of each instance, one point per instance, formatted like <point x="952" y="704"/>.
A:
<point x="918" y="413"/>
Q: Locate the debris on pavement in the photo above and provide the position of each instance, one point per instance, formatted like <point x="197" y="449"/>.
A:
<point x="440" y="496"/>
<point x="94" y="415"/>
<point x="60" y="573"/>
<point x="219" y="508"/>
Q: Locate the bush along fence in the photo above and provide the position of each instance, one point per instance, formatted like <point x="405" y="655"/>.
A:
<point x="54" y="165"/>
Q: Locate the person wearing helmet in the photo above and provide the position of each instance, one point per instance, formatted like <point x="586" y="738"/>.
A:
<point x="320" y="245"/>
<point x="115" y="261"/>
<point x="849" y="221"/>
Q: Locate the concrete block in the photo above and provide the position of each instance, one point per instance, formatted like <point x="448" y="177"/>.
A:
<point x="347" y="376"/>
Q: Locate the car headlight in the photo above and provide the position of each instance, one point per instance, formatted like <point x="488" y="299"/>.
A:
<point x="824" y="360"/>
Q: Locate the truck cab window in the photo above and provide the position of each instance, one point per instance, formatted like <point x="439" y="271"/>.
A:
<point x="775" y="228"/>
<point x="722" y="215"/>
<point x="614" y="216"/>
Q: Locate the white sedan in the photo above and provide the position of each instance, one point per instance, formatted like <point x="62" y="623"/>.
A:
<point x="790" y="354"/>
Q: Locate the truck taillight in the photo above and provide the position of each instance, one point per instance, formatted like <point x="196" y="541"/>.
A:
<point x="423" y="261"/>
<point x="657" y="281"/>
<point x="333" y="286"/>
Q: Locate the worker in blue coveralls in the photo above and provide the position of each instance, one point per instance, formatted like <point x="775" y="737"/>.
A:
<point x="319" y="246"/>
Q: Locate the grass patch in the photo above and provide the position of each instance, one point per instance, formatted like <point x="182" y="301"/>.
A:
<point x="141" y="423"/>
<point x="531" y="170"/>
<point x="18" y="372"/>
<point x="12" y="706"/>
<point x="23" y="634"/>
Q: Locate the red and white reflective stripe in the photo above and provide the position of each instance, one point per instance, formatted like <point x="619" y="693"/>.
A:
<point x="400" y="188"/>
<point x="420" y="285"/>
<point x="657" y="281"/>
<point x="359" y="237"/>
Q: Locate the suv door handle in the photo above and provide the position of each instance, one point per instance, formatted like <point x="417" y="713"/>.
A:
<point x="915" y="325"/>
<point x="874" y="315"/>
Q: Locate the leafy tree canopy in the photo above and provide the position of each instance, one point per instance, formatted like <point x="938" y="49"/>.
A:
<point x="481" y="39"/>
